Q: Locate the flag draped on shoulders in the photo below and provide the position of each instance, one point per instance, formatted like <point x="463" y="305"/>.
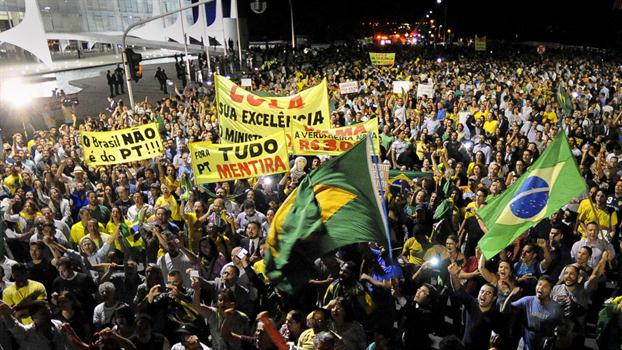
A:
<point x="335" y="205"/>
<point x="563" y="98"/>
<point x="550" y="183"/>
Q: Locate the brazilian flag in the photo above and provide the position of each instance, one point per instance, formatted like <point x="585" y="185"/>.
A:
<point x="564" y="99"/>
<point x="335" y="205"/>
<point x="186" y="187"/>
<point x="550" y="183"/>
<point x="131" y="235"/>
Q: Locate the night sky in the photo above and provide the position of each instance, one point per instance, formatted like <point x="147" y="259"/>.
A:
<point x="591" y="22"/>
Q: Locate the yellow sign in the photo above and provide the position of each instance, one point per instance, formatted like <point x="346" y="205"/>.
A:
<point x="222" y="162"/>
<point x="243" y="116"/>
<point x="382" y="58"/>
<point x="309" y="141"/>
<point x="121" y="146"/>
<point x="480" y="43"/>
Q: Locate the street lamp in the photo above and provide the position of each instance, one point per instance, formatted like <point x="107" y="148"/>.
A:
<point x="291" y="15"/>
<point x="48" y="10"/>
<point x="439" y="2"/>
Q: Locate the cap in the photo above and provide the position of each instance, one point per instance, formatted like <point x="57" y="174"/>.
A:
<point x="77" y="169"/>
<point x="187" y="328"/>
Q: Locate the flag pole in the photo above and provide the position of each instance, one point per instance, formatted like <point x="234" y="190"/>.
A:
<point x="376" y="159"/>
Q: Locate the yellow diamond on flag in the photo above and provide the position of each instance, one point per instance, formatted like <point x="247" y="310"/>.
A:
<point x="331" y="199"/>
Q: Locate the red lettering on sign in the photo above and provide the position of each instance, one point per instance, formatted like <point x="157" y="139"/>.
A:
<point x="279" y="164"/>
<point x="254" y="101"/>
<point x="235" y="97"/>
<point x="345" y="145"/>
<point x="223" y="171"/>
<point x="303" y="145"/>
<point x="296" y="102"/>
<point x="269" y="163"/>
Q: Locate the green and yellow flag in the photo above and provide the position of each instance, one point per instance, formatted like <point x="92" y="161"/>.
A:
<point x="550" y="183"/>
<point x="335" y="205"/>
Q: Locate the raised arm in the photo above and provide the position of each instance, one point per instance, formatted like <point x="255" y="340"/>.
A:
<point x="454" y="271"/>
<point x="488" y="276"/>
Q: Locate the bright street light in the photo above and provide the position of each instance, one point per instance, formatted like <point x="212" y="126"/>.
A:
<point x="16" y="92"/>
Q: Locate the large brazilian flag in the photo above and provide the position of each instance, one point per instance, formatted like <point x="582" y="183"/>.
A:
<point x="335" y="205"/>
<point x="550" y="183"/>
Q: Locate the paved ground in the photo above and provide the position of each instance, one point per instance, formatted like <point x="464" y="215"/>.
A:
<point x="92" y="91"/>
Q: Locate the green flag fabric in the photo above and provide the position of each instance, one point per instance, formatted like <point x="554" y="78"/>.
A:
<point x="550" y="183"/>
<point x="564" y="99"/>
<point x="131" y="235"/>
<point x="186" y="187"/>
<point x="335" y="205"/>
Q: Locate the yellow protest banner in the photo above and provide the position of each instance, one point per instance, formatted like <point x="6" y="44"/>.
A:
<point x="121" y="146"/>
<point x="382" y="58"/>
<point x="222" y="162"/>
<point x="480" y="43"/>
<point x="244" y="116"/>
<point x="310" y="141"/>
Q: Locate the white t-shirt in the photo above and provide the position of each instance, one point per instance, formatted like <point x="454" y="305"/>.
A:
<point x="179" y="346"/>
<point x="103" y="315"/>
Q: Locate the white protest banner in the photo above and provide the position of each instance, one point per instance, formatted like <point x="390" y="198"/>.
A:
<point x="425" y="90"/>
<point x="349" y="87"/>
<point x="400" y="86"/>
<point x="246" y="82"/>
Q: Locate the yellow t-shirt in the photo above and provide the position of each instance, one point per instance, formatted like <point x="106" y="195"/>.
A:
<point x="171" y="183"/>
<point x="490" y="126"/>
<point x="549" y="116"/>
<point x="194" y="232"/>
<point x="111" y="228"/>
<point x="413" y="251"/>
<point x="104" y="237"/>
<point x="13" y="295"/>
<point x="586" y="215"/>
<point x="171" y="204"/>
<point x="78" y="231"/>
<point x="481" y="114"/>
<point x="469" y="213"/>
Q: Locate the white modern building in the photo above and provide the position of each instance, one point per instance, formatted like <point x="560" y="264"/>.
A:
<point x="49" y="27"/>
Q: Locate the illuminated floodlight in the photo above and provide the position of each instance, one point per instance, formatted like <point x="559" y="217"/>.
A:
<point x="439" y="60"/>
<point x="15" y="92"/>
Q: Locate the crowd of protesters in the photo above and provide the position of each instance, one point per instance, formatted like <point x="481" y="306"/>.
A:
<point x="192" y="276"/>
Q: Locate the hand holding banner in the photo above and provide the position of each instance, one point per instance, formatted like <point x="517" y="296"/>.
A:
<point x="121" y="146"/>
<point x="222" y="162"/>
